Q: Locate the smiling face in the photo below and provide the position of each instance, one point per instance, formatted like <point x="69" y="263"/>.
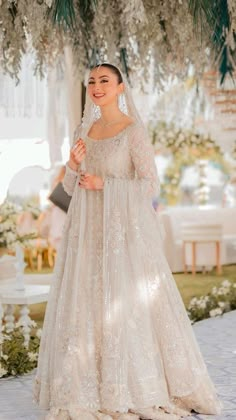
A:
<point x="103" y="86"/>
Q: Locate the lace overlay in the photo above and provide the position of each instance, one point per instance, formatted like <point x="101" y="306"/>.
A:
<point x="117" y="342"/>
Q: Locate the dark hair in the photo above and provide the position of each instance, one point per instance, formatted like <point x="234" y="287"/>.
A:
<point x="113" y="69"/>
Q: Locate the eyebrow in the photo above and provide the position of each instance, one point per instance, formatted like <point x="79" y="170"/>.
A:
<point x="100" y="77"/>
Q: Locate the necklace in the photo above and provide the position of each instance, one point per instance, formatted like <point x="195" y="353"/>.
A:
<point x="106" y="124"/>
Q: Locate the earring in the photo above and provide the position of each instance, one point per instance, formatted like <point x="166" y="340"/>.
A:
<point x="122" y="103"/>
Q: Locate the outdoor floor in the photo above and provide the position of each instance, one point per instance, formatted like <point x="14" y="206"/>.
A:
<point x="217" y="339"/>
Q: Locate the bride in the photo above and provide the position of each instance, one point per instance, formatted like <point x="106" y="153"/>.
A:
<point x="117" y="342"/>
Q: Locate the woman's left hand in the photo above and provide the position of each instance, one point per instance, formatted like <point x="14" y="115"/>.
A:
<point x="90" y="182"/>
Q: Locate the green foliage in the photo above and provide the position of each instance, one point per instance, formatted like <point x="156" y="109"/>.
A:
<point x="220" y="300"/>
<point x="213" y="18"/>
<point x="15" y="357"/>
<point x="63" y="12"/>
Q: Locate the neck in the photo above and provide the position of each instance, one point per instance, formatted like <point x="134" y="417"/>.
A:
<point x="110" y="112"/>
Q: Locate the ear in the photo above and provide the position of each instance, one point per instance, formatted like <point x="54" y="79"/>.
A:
<point x="121" y="88"/>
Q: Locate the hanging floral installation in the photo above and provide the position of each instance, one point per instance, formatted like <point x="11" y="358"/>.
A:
<point x="166" y="36"/>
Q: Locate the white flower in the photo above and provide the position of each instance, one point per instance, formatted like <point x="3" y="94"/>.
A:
<point x="226" y="283"/>
<point x="11" y="237"/>
<point x="214" y="291"/>
<point x="222" y="291"/>
<point x="32" y="356"/>
<point x="202" y="304"/>
<point x="39" y="333"/>
<point x="5" y="356"/>
<point x="193" y="301"/>
<point x="33" y="323"/>
<point x="215" y="312"/>
<point x="4" y="337"/>
<point x="2" y="371"/>
<point x="48" y="3"/>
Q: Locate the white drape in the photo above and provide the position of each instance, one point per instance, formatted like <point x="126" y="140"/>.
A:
<point x="74" y="93"/>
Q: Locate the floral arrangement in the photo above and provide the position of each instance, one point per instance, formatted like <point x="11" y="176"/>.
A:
<point x="187" y="147"/>
<point x="134" y="33"/>
<point x="220" y="300"/>
<point x="15" y="357"/>
<point x="9" y="236"/>
<point x="175" y="139"/>
<point x="33" y="208"/>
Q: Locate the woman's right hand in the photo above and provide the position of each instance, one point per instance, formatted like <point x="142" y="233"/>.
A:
<point x="77" y="154"/>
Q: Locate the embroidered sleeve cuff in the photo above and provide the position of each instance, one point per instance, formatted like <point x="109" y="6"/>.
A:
<point x="70" y="171"/>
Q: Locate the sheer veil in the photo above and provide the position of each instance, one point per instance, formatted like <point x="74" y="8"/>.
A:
<point x="125" y="102"/>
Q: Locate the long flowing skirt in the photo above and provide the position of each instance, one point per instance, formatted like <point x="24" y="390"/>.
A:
<point x="117" y="342"/>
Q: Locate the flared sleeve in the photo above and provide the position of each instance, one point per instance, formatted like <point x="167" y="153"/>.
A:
<point x="71" y="176"/>
<point x="142" y="155"/>
<point x="69" y="180"/>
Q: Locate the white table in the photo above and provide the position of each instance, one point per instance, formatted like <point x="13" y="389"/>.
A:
<point x="10" y="297"/>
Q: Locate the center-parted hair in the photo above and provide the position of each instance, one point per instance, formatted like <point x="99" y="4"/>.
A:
<point x="113" y="69"/>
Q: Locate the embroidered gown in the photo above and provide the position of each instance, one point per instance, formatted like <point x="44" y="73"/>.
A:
<point x="117" y="342"/>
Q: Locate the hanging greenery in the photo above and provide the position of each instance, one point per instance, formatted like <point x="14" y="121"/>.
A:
<point x="138" y="35"/>
<point x="215" y="18"/>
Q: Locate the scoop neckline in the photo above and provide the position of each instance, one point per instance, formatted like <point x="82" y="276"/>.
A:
<point x="112" y="137"/>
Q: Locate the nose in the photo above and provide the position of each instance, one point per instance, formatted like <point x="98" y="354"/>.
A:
<point x="96" y="87"/>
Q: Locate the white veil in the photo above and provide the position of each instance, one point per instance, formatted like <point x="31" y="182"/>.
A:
<point x="125" y="101"/>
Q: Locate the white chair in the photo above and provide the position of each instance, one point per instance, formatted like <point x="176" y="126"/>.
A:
<point x="194" y="234"/>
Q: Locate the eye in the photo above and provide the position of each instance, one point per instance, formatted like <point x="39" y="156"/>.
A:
<point x="104" y="81"/>
<point x="91" y="82"/>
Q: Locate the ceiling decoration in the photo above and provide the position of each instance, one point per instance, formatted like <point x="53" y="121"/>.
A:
<point x="142" y="36"/>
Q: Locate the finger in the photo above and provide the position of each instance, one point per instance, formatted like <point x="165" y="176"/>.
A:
<point x="84" y="186"/>
<point x="78" y="144"/>
<point x="79" y="140"/>
<point x="83" y="182"/>
<point x="74" y="147"/>
<point x="79" y="155"/>
<point x="78" y="148"/>
<point x="80" y="152"/>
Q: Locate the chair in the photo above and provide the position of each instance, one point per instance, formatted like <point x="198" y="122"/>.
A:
<point x="195" y="234"/>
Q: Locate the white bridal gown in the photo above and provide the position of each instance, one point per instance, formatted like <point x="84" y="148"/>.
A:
<point x="117" y="342"/>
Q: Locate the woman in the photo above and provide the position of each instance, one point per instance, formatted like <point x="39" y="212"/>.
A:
<point x="117" y="342"/>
